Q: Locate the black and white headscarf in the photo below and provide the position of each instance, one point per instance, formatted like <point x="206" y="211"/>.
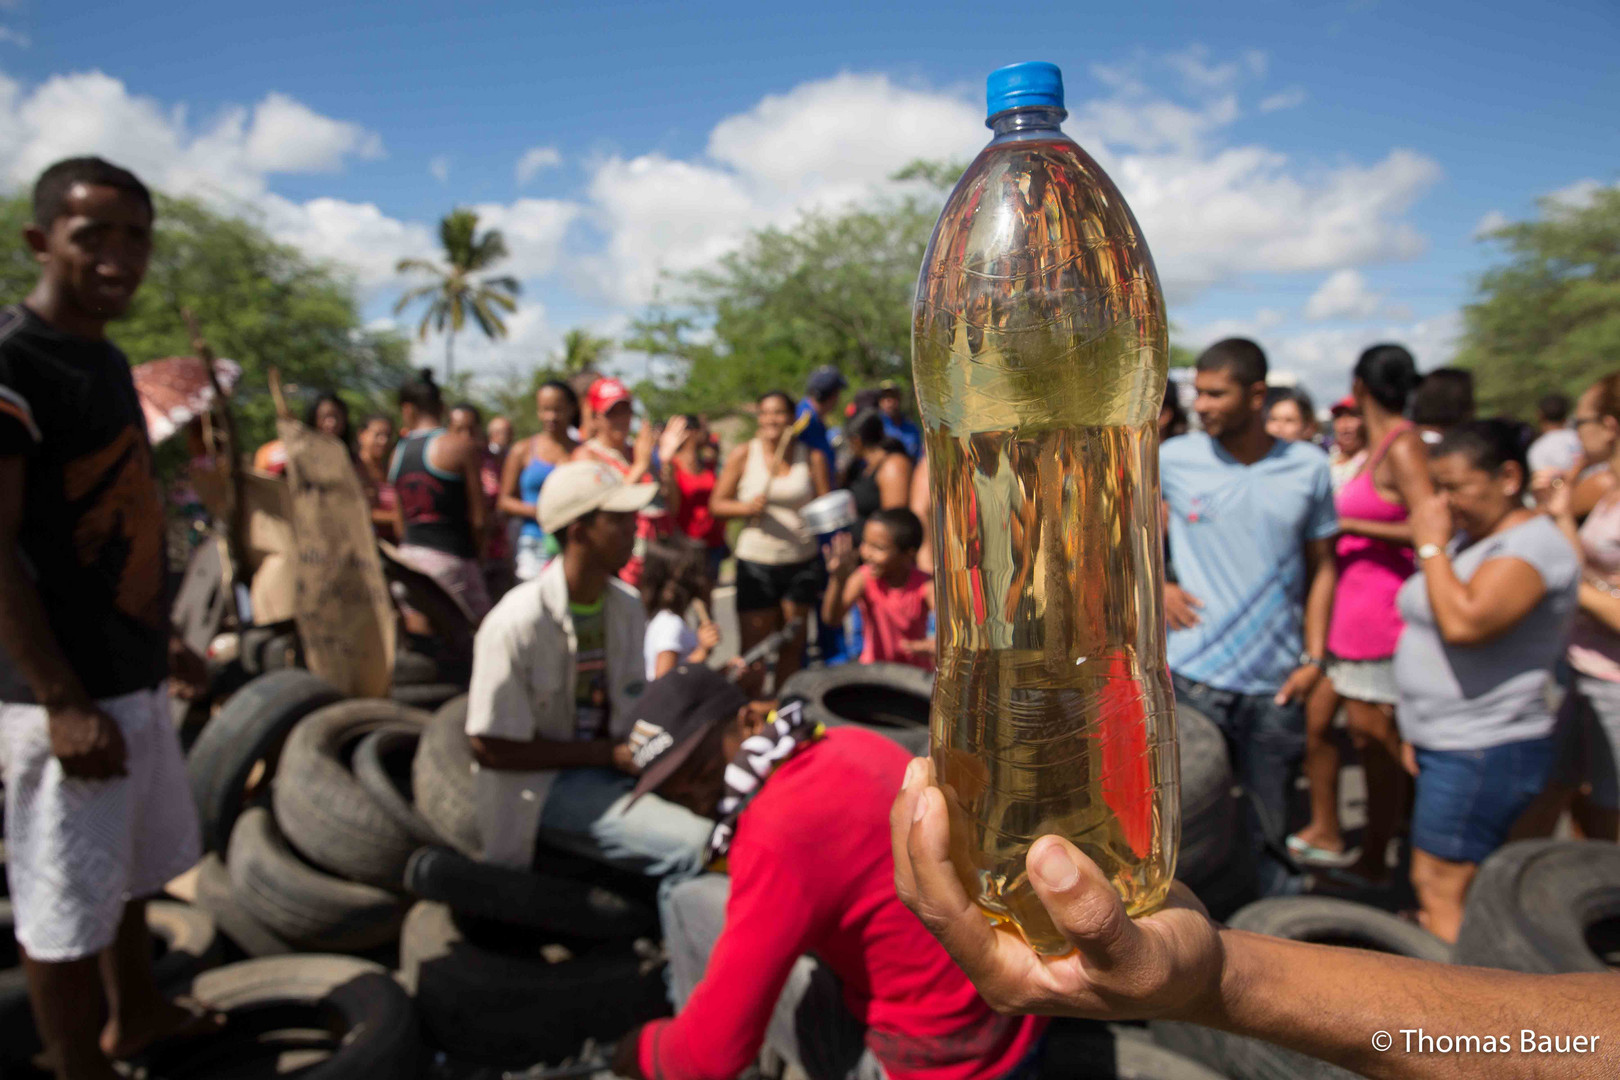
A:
<point x="787" y="731"/>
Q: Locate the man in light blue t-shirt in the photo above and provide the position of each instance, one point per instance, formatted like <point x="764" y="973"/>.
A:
<point x="1252" y="525"/>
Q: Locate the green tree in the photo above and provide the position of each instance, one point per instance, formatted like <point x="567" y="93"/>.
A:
<point x="1549" y="319"/>
<point x="258" y="302"/>
<point x="456" y="289"/>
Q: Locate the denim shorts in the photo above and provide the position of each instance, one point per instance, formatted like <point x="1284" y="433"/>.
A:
<point x="1468" y="800"/>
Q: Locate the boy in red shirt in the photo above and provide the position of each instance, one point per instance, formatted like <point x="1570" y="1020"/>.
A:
<point x="895" y="598"/>
<point x="804" y="825"/>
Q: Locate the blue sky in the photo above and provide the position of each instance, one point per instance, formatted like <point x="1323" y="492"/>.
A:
<point x="1311" y="173"/>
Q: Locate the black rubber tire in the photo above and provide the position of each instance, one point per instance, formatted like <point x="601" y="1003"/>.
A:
<point x="382" y="765"/>
<point x="251" y="937"/>
<point x="517" y="1007"/>
<point x="1087" y="1050"/>
<point x="429" y="696"/>
<point x="873" y="695"/>
<point x="1545" y="907"/>
<point x="1211" y="814"/>
<point x="443" y="779"/>
<point x="348" y="1009"/>
<point x="560" y="905"/>
<point x="414" y="668"/>
<point x="250" y="728"/>
<point x="1233" y="887"/>
<point x="1325" y="920"/>
<point x="299" y="903"/>
<point x="188" y="943"/>
<point x="1321" y="920"/>
<point x="322" y="808"/>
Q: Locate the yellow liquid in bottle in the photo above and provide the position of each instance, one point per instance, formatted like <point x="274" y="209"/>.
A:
<point x="1039" y="353"/>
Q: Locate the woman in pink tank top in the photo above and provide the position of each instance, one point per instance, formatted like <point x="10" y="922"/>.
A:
<point x="1374" y="557"/>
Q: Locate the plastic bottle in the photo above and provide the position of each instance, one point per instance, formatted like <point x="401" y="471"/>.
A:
<point x="1039" y="353"/>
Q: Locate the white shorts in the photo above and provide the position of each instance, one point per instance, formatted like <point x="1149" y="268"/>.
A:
<point x="78" y="850"/>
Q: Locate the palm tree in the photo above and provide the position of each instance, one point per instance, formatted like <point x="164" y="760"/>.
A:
<point x="582" y="351"/>
<point x="455" y="290"/>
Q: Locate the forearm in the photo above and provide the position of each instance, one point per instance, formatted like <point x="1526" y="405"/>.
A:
<point x="1319" y="607"/>
<point x="26" y="637"/>
<point x="1299" y="996"/>
<point x="728" y="508"/>
<point x="515" y="507"/>
<point x="536" y="755"/>
<point x="1602" y="606"/>
<point x="1394" y="532"/>
<point x="832" y="605"/>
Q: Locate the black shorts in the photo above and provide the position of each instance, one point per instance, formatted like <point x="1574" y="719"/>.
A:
<point x="763" y="587"/>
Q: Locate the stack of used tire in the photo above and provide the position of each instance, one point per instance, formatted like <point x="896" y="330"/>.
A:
<point x="1324" y="921"/>
<point x="1544" y="907"/>
<point x="307" y="845"/>
<point x="510" y="967"/>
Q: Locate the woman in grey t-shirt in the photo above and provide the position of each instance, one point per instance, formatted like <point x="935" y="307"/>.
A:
<point x="1487" y="616"/>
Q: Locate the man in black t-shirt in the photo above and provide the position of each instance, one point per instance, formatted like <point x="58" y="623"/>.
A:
<point x="98" y="815"/>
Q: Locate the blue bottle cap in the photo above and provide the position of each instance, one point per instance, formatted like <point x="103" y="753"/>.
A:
<point x="1034" y="82"/>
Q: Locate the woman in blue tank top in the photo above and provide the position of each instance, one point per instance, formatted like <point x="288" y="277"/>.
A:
<point x="529" y="465"/>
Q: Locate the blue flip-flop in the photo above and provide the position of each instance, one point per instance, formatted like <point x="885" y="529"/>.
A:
<point x="1308" y="854"/>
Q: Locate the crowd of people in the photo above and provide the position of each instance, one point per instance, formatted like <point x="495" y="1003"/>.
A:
<point x="1442" y="582"/>
<point x="1435" y="578"/>
<point x="460" y="500"/>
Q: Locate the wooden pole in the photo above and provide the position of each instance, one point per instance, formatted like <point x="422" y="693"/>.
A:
<point x="227" y="448"/>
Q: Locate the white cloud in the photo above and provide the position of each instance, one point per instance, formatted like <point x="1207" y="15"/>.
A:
<point x="1344" y="295"/>
<point x="358" y="236"/>
<point x="439" y="168"/>
<point x="1322" y="358"/>
<point x="288" y="136"/>
<point x="534" y="231"/>
<point x="1293" y="97"/>
<point x="822" y="144"/>
<point x="1577" y="196"/>
<point x="534" y="159"/>
<point x="9" y="36"/>
<point x="1490" y="222"/>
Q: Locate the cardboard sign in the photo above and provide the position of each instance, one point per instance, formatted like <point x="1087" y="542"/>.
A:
<point x="345" y="618"/>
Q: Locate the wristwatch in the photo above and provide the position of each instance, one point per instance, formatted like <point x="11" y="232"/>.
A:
<point x="1426" y="552"/>
<point x="1315" y="661"/>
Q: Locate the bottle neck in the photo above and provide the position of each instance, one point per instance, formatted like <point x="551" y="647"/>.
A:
<point x="1026" y="121"/>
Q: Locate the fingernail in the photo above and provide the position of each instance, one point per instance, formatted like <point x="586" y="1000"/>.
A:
<point x="922" y="806"/>
<point x="913" y="772"/>
<point x="1054" y="867"/>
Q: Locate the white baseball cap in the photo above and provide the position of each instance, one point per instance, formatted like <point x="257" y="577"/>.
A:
<point x="579" y="487"/>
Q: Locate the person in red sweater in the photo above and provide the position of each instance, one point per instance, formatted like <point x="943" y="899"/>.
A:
<point x="803" y="822"/>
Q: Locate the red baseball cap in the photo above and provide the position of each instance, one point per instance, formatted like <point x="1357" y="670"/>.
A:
<point x="605" y="393"/>
<point x="1346" y="404"/>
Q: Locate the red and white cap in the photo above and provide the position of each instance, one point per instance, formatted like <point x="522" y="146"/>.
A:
<point x="605" y="393"/>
